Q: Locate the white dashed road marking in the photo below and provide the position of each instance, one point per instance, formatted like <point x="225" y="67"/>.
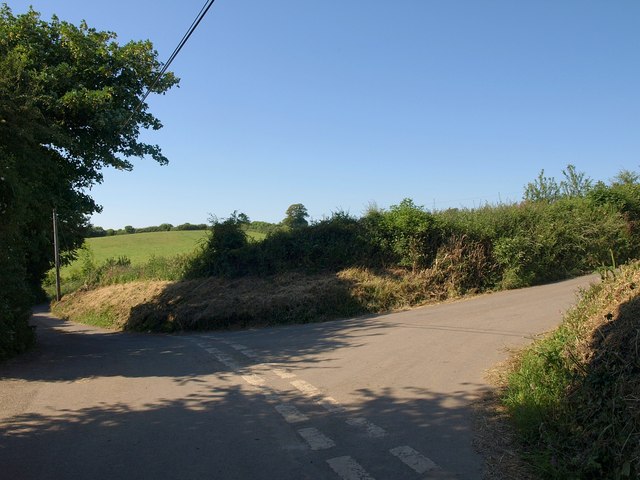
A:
<point x="331" y="405"/>
<point x="345" y="467"/>
<point x="223" y="358"/>
<point x="254" y="380"/>
<point x="290" y="413"/>
<point x="316" y="439"/>
<point x="348" y="469"/>
<point x="306" y="388"/>
<point x="418" y="462"/>
<point x="242" y="349"/>
<point x="283" y="373"/>
<point x="373" y="430"/>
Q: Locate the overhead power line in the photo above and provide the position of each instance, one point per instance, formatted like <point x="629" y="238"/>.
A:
<point x="203" y="11"/>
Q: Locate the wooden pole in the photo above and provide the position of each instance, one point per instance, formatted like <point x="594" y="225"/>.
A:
<point x="56" y="250"/>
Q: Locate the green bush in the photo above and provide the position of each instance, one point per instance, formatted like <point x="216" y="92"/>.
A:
<point x="409" y="234"/>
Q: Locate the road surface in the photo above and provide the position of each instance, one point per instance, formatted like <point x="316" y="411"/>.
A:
<point x="384" y="397"/>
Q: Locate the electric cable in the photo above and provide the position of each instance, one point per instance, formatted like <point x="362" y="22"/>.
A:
<point x="203" y="11"/>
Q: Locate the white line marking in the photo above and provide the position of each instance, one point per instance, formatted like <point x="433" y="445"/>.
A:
<point x="330" y="404"/>
<point x="348" y="469"/>
<point x="315" y="439"/>
<point x="228" y="361"/>
<point x="290" y="413"/>
<point x="283" y="373"/>
<point x="306" y="388"/>
<point x="253" y="379"/>
<point x="418" y="462"/>
<point x="223" y="358"/>
<point x="373" y="430"/>
<point x="242" y="349"/>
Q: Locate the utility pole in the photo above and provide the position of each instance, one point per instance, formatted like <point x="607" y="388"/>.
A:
<point x="56" y="250"/>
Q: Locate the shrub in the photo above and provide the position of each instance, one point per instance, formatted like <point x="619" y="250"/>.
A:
<point x="223" y="253"/>
<point x="411" y="233"/>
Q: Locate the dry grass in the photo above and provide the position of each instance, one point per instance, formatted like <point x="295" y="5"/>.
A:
<point x="108" y="307"/>
<point x="214" y="302"/>
<point x="211" y="303"/>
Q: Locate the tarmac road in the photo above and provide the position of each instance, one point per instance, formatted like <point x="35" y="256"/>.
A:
<point x="384" y="397"/>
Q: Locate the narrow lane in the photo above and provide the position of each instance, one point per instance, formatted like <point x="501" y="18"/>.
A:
<point x="379" y="397"/>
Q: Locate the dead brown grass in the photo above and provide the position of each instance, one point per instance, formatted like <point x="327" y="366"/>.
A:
<point x="112" y="304"/>
<point x="212" y="303"/>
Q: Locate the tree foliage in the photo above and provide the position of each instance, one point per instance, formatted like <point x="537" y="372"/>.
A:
<point x="547" y="189"/>
<point x="66" y="93"/>
<point x="296" y="216"/>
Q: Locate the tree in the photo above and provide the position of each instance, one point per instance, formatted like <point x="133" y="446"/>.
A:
<point x="546" y="189"/>
<point x="542" y="189"/>
<point x="68" y="108"/>
<point x="296" y="216"/>
<point x="575" y="184"/>
<point x="626" y="177"/>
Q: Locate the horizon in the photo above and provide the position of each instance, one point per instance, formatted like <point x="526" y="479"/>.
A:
<point x="338" y="105"/>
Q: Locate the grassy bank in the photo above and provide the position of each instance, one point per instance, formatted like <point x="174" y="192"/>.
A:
<point x="291" y="297"/>
<point x="574" y="396"/>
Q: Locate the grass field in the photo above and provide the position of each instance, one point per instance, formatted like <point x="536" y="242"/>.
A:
<point x="140" y="247"/>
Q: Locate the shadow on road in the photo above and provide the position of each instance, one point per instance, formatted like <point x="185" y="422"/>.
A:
<point x="208" y="431"/>
<point x="228" y="432"/>
<point x="69" y="352"/>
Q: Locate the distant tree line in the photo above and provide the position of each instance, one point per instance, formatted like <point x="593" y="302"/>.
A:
<point x="96" y="231"/>
<point x="295" y="217"/>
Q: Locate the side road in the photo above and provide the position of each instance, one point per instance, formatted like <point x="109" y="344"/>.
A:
<point x="373" y="397"/>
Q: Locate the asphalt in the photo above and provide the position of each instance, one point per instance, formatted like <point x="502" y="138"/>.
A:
<point x="384" y="397"/>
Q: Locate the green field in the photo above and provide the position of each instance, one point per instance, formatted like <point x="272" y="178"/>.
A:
<point x="140" y="247"/>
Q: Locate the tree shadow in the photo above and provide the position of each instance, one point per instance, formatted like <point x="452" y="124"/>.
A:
<point x="234" y="432"/>
<point x="68" y="351"/>
<point x="208" y="430"/>
<point x="219" y="427"/>
<point x="217" y="303"/>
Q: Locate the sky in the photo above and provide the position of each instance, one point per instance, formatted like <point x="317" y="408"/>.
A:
<point x="342" y="104"/>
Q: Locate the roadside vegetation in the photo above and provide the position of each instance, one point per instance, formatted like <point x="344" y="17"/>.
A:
<point x="387" y="259"/>
<point x="67" y="97"/>
<point x="573" y="396"/>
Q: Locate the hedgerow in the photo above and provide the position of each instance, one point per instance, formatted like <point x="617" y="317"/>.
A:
<point x="531" y="242"/>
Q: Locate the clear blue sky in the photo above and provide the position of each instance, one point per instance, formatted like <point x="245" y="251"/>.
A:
<point x="336" y="104"/>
